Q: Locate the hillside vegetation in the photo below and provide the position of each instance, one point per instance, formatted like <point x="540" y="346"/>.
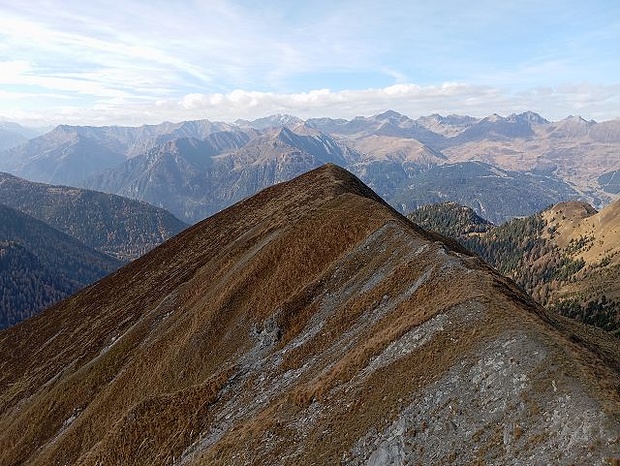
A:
<point x="117" y="226"/>
<point x="40" y="265"/>
<point x="27" y="285"/>
<point x="566" y="257"/>
<point x="310" y="324"/>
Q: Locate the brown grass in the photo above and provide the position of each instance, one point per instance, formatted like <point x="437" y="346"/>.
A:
<point x="182" y="319"/>
<point x="158" y="429"/>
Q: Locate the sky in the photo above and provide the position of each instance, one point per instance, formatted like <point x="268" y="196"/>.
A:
<point x="136" y="62"/>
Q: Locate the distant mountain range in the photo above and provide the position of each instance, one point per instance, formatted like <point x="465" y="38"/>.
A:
<point x="523" y="161"/>
<point x="195" y="178"/>
<point x="13" y="134"/>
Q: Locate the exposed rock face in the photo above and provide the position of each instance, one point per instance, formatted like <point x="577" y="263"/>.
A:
<point x="309" y="324"/>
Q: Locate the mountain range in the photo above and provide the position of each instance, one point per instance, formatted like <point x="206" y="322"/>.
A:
<point x="308" y="324"/>
<point x="194" y="169"/>
<point x="13" y="134"/>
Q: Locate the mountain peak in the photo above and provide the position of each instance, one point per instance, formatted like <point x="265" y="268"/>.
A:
<point x="528" y="117"/>
<point x="494" y="118"/>
<point x="578" y="119"/>
<point x="390" y="115"/>
<point x="334" y="181"/>
<point x="266" y="333"/>
<point x="572" y="210"/>
<point x="272" y="121"/>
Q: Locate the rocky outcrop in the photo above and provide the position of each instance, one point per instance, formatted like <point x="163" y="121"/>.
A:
<point x="309" y="324"/>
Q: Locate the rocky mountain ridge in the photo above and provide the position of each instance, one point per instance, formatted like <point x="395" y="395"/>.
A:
<point x="266" y="334"/>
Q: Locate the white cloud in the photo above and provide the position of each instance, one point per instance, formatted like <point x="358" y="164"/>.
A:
<point x="410" y="99"/>
<point x="598" y="102"/>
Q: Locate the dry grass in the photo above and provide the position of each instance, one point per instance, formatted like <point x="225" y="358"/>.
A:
<point x="158" y="429"/>
<point x="139" y="367"/>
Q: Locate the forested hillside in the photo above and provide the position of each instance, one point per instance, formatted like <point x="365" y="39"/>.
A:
<point x="450" y="219"/>
<point x="40" y="265"/>
<point x="26" y="285"/>
<point x="117" y="226"/>
<point x="548" y="265"/>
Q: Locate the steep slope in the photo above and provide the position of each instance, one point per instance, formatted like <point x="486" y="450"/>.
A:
<point x="590" y="239"/>
<point x="40" y="266"/>
<point x="567" y="257"/>
<point x="114" y="225"/>
<point x="397" y="150"/>
<point x="71" y="154"/>
<point x="309" y="324"/>
<point x="569" y="250"/>
<point x="194" y="179"/>
<point x="272" y="121"/>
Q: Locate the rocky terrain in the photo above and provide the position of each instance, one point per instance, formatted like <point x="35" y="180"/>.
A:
<point x="308" y="324"/>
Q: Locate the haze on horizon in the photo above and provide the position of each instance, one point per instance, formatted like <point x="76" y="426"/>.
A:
<point x="142" y="62"/>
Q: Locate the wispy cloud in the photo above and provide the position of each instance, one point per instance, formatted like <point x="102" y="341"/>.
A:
<point x="138" y="60"/>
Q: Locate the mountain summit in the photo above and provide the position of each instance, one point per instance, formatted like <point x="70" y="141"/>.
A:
<point x="308" y="324"/>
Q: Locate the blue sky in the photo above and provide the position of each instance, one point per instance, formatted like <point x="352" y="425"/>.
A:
<point x="135" y="62"/>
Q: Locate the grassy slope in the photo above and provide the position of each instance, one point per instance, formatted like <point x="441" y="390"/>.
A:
<point x="264" y="335"/>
